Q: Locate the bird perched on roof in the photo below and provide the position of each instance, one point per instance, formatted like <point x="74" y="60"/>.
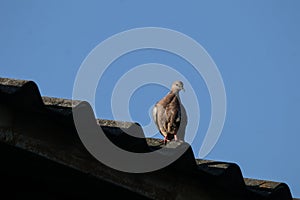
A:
<point x="168" y="113"/>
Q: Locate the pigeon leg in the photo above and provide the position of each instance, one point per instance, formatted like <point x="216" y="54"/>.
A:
<point x="175" y="137"/>
<point x="166" y="139"/>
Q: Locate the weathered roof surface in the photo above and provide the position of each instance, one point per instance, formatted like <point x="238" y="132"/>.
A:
<point x="41" y="129"/>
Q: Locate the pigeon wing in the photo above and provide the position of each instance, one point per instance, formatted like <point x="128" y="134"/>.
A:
<point x="173" y="115"/>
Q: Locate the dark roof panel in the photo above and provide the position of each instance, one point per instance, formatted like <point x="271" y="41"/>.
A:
<point x="44" y="126"/>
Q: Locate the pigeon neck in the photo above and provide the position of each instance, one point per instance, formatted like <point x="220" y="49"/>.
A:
<point x="176" y="92"/>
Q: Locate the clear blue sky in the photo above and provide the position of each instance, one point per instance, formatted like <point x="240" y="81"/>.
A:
<point x="255" y="45"/>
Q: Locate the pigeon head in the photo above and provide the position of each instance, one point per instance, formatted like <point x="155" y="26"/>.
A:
<point x="177" y="86"/>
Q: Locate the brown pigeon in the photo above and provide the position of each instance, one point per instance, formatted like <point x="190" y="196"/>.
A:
<point x="167" y="113"/>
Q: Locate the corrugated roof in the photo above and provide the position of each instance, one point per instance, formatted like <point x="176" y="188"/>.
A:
<point x="44" y="126"/>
